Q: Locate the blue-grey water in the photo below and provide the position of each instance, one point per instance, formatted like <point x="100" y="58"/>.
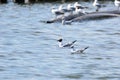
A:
<point x="29" y="50"/>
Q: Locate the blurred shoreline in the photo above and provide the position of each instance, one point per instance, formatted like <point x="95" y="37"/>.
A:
<point x="44" y="1"/>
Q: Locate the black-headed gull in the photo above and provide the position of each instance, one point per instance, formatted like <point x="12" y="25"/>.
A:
<point x="60" y="44"/>
<point x="79" y="51"/>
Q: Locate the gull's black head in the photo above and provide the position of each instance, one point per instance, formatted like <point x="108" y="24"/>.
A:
<point x="77" y="7"/>
<point x="59" y="40"/>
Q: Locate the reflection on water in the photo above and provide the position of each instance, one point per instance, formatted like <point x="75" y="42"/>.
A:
<point x="29" y="50"/>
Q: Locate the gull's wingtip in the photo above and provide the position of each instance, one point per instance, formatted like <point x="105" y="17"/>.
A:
<point x="87" y="47"/>
<point x="72" y="47"/>
<point x="74" y="40"/>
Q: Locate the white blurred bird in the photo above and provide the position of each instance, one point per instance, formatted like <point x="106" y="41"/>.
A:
<point x="74" y="51"/>
<point x="60" y="44"/>
<point x="61" y="8"/>
<point x="79" y="11"/>
<point x="71" y="8"/>
<point x="76" y="4"/>
<point x="56" y="12"/>
<point x="98" y="5"/>
<point x="117" y="3"/>
<point x="79" y="8"/>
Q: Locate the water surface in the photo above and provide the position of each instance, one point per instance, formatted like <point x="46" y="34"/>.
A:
<point x="29" y="50"/>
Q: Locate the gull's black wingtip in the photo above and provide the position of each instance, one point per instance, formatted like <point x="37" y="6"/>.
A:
<point x="87" y="47"/>
<point x="74" y="41"/>
<point x="72" y="47"/>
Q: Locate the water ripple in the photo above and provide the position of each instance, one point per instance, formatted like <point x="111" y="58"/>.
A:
<point x="29" y="48"/>
<point x="72" y="76"/>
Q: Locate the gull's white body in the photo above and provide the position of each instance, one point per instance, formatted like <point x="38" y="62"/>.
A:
<point x="56" y="12"/>
<point x="117" y="3"/>
<point x="75" y="51"/>
<point x="60" y="44"/>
